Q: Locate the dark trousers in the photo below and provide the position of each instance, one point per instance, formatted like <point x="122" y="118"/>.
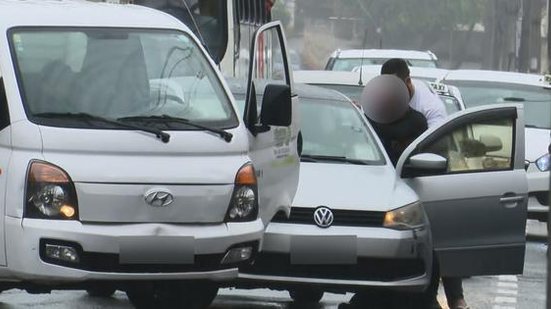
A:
<point x="453" y="286"/>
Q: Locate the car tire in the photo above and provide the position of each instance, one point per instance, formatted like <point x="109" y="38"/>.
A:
<point x="172" y="295"/>
<point x="99" y="290"/>
<point x="306" y="296"/>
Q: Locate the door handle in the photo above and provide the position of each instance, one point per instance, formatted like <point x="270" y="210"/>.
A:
<point x="511" y="201"/>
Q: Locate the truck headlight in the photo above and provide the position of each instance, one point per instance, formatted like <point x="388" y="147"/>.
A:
<point x="244" y="201"/>
<point x="543" y="163"/>
<point x="404" y="218"/>
<point x="50" y="193"/>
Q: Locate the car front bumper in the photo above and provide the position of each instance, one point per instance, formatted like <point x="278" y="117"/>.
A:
<point x="384" y="258"/>
<point x="101" y="244"/>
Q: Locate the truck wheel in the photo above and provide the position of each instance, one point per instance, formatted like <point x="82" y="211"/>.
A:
<point x="101" y="290"/>
<point x="305" y="295"/>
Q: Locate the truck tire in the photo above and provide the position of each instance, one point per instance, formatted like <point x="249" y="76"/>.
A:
<point x="101" y="291"/>
<point x="306" y="295"/>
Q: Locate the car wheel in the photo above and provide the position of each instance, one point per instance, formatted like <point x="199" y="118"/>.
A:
<point x="100" y="290"/>
<point x="170" y="294"/>
<point x="304" y="295"/>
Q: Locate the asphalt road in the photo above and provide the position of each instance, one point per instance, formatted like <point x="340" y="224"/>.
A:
<point x="526" y="291"/>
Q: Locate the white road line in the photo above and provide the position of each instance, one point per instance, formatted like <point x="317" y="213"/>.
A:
<point x="512" y="285"/>
<point x="504" y="299"/>
<point x="512" y="278"/>
<point x="507" y="292"/>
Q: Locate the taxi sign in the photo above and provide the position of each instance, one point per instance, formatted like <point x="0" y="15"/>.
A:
<point x="439" y="87"/>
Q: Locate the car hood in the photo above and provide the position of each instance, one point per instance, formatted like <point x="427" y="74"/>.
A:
<point x="351" y="187"/>
<point x="536" y="141"/>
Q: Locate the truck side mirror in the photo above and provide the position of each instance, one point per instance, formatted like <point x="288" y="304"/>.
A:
<point x="276" y="106"/>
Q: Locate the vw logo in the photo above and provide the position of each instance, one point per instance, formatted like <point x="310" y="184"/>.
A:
<point x="158" y="198"/>
<point x="323" y="217"/>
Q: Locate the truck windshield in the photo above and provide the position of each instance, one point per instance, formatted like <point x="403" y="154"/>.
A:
<point x="117" y="74"/>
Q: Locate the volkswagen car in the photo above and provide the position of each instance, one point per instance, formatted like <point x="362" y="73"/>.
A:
<point x="357" y="222"/>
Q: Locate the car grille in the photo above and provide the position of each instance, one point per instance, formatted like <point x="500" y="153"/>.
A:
<point x="302" y="215"/>
<point x="368" y="269"/>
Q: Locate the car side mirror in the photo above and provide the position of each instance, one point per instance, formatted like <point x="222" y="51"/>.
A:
<point x="424" y="164"/>
<point x="276" y="106"/>
<point x="491" y="142"/>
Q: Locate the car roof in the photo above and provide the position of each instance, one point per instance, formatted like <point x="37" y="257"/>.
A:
<point x="432" y="74"/>
<point x="15" y="13"/>
<point x="332" y="77"/>
<point x="384" y="53"/>
<point x="238" y="86"/>
<point x="496" y="76"/>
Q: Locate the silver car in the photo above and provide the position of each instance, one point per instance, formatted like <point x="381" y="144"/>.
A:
<point x="357" y="222"/>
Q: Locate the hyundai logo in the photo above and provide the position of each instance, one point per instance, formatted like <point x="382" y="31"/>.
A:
<point x="323" y="217"/>
<point x="158" y="198"/>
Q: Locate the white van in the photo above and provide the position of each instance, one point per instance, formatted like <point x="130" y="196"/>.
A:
<point x="123" y="160"/>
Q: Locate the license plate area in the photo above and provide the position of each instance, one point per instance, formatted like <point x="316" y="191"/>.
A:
<point x="157" y="250"/>
<point x="324" y="250"/>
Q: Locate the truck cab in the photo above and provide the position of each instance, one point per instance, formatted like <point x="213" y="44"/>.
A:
<point x="124" y="161"/>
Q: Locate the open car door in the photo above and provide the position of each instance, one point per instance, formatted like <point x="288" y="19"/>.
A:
<point x="271" y="116"/>
<point x="469" y="173"/>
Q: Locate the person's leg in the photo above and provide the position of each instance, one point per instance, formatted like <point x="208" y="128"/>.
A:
<point x="453" y="287"/>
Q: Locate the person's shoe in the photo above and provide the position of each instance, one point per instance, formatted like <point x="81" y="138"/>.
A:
<point x="459" y="304"/>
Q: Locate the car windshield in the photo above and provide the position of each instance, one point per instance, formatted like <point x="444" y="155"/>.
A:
<point x="536" y="100"/>
<point x="116" y="74"/>
<point x="348" y="64"/>
<point x="335" y="129"/>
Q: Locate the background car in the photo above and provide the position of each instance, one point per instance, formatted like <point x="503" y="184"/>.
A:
<point x="346" y="60"/>
<point x="480" y="87"/>
<point x="351" y="84"/>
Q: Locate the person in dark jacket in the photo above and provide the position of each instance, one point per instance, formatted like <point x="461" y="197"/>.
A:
<point x="385" y="101"/>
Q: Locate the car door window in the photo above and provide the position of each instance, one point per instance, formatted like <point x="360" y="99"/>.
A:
<point x="480" y="146"/>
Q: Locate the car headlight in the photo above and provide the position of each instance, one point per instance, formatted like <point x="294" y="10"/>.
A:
<point x="543" y="163"/>
<point x="50" y="193"/>
<point x="244" y="201"/>
<point x="405" y="218"/>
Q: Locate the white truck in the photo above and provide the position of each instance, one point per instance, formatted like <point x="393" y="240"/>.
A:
<point x="124" y="163"/>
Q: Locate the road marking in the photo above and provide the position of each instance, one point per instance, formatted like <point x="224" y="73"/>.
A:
<point x="512" y="285"/>
<point x="506" y="293"/>
<point x="504" y="299"/>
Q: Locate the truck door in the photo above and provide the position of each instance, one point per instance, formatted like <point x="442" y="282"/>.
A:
<point x="271" y="116"/>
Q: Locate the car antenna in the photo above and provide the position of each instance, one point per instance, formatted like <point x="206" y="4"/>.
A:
<point x="364" y="42"/>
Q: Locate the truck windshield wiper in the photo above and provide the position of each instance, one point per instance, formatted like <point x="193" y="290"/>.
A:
<point x="317" y="158"/>
<point x="227" y="136"/>
<point x="535" y="126"/>
<point x="163" y="136"/>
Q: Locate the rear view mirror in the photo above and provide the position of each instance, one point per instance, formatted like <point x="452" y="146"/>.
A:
<point x="424" y="164"/>
<point x="491" y="142"/>
<point x="276" y="106"/>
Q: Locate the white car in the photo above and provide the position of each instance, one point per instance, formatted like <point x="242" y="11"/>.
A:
<point x="351" y="84"/>
<point x="357" y="222"/>
<point x="346" y="60"/>
<point x="534" y="92"/>
<point x="422" y="73"/>
<point x="124" y="161"/>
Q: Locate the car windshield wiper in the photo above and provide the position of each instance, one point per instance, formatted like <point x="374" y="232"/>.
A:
<point x="163" y="136"/>
<point x="317" y="158"/>
<point x="227" y="136"/>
